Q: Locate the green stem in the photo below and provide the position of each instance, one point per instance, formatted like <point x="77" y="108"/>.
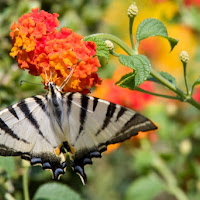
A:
<point x="172" y="87"/>
<point x="169" y="178"/>
<point x="114" y="39"/>
<point x="25" y="182"/>
<point x="154" y="73"/>
<point x="155" y="94"/>
<point x="167" y="83"/>
<point x="160" y="166"/>
<point x="114" y="53"/>
<point x="131" y="20"/>
<point x="185" y="78"/>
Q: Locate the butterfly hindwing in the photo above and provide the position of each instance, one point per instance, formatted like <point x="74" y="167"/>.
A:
<point x="95" y="123"/>
<point x="26" y="131"/>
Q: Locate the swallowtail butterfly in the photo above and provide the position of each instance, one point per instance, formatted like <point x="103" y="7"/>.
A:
<point x="43" y="127"/>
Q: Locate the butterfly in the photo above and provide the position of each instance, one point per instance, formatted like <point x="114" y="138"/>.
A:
<point x="42" y="128"/>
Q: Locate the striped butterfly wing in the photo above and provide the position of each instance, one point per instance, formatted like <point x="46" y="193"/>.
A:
<point x="95" y="123"/>
<point x="26" y="130"/>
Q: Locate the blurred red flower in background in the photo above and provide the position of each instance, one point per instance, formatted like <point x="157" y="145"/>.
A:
<point x="196" y="95"/>
<point x="192" y="3"/>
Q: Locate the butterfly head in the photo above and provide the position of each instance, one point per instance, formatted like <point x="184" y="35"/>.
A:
<point x="52" y="87"/>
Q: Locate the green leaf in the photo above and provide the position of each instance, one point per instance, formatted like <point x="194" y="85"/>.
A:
<point x="55" y="191"/>
<point x="166" y="75"/>
<point x="102" y="49"/>
<point x="153" y="27"/>
<point x="127" y="81"/>
<point x="140" y="64"/>
<point x="197" y="82"/>
<point x="8" y="165"/>
<point x="145" y="188"/>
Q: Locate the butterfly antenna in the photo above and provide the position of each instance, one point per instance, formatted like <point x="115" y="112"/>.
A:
<point x="68" y="77"/>
<point x="48" y="80"/>
<point x="23" y="81"/>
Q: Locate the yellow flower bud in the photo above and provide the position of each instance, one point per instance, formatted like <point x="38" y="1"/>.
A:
<point x="132" y="10"/>
<point x="184" y="56"/>
<point x="110" y="45"/>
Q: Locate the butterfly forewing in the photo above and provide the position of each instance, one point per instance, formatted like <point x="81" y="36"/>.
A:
<point x="41" y="128"/>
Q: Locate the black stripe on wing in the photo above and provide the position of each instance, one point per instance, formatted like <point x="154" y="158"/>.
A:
<point x="25" y="109"/>
<point x="12" y="111"/>
<point x="4" y="127"/>
<point x="135" y="121"/>
<point x="83" y="113"/>
<point x="41" y="104"/>
<point x="95" y="102"/>
<point x="109" y="114"/>
<point x="120" y="113"/>
<point x="69" y="103"/>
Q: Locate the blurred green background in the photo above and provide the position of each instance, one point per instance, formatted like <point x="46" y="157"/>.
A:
<point x="154" y="166"/>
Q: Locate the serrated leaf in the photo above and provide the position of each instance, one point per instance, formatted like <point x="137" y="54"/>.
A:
<point x="8" y="165"/>
<point x="55" y="191"/>
<point x="102" y="49"/>
<point x="140" y="64"/>
<point x="166" y="75"/>
<point x="153" y="27"/>
<point x="145" y="188"/>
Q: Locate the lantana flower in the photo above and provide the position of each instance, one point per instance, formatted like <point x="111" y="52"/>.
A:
<point x="44" y="51"/>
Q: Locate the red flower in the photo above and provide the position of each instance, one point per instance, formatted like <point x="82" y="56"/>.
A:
<point x="192" y="2"/>
<point x="39" y="47"/>
<point x="196" y="95"/>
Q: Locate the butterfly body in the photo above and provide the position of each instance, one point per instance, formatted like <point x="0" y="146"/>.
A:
<point x="41" y="128"/>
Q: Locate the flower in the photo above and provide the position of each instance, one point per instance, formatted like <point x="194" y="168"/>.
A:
<point x="197" y="94"/>
<point x="43" y="50"/>
<point x="110" y="45"/>
<point x="192" y="2"/>
<point x="184" y="56"/>
<point x="132" y="10"/>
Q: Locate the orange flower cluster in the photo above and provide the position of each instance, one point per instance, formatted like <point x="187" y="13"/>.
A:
<point x="43" y="50"/>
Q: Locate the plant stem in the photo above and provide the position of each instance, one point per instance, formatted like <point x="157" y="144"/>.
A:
<point x="114" y="53"/>
<point x="25" y="181"/>
<point x="160" y="166"/>
<point x="185" y="78"/>
<point x="131" y="20"/>
<point x="182" y="96"/>
<point x="172" y="87"/>
<point x="155" y="94"/>
<point x="114" y="39"/>
<point x="167" y="83"/>
<point x="168" y="176"/>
